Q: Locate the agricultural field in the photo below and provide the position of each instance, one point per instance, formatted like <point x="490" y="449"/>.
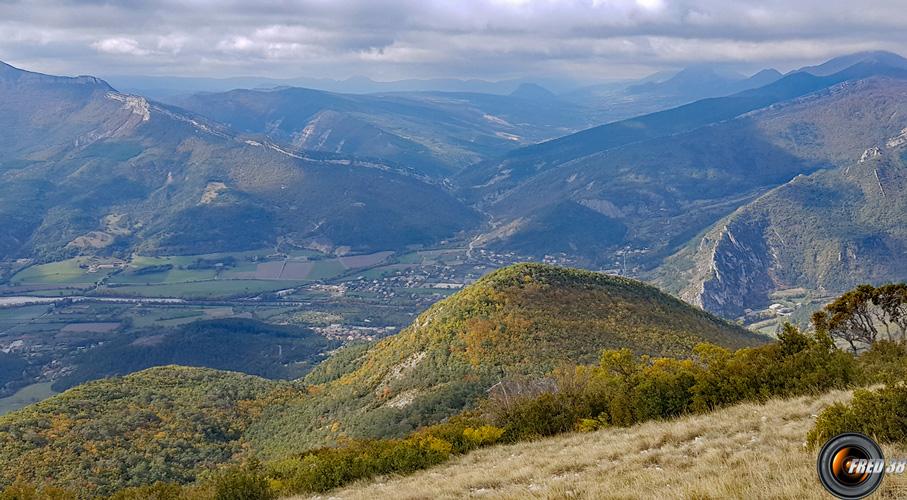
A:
<point x="79" y="271"/>
<point x="210" y="276"/>
<point x="198" y="290"/>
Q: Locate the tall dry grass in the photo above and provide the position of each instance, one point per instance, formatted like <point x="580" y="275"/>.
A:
<point x="747" y="451"/>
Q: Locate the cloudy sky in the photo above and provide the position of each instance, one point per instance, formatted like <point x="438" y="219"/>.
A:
<point x="393" y="39"/>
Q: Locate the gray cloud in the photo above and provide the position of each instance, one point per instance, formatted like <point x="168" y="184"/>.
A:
<point x="386" y="39"/>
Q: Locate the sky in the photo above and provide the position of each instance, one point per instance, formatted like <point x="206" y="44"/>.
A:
<point x="395" y="39"/>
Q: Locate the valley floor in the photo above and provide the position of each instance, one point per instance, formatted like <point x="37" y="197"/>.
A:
<point x="746" y="451"/>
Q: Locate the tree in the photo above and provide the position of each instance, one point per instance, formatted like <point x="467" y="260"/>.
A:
<point x="850" y="318"/>
<point x="891" y="301"/>
<point x="856" y="317"/>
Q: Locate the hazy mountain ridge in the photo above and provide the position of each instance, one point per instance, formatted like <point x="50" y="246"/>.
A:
<point x="668" y="188"/>
<point x="79" y="153"/>
<point x="840" y="63"/>
<point x="622" y="100"/>
<point x="165" y="87"/>
<point x="525" y="162"/>
<point x="699" y="82"/>
<point x="437" y="133"/>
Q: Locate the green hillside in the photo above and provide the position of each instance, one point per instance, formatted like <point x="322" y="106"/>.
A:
<point x="166" y="423"/>
<point x="525" y="319"/>
<point x="85" y="169"/>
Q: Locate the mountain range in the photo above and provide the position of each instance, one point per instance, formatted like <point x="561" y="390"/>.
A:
<point x="727" y="190"/>
<point x="163" y="87"/>
<point x="649" y="185"/>
<point x="84" y="168"/>
<point x="828" y="231"/>
<point x="435" y="133"/>
<point x="88" y="169"/>
<point x="620" y="100"/>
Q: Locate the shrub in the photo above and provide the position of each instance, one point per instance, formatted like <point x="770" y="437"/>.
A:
<point x="883" y="363"/>
<point x="327" y="468"/>
<point x="591" y="424"/>
<point x="483" y="436"/>
<point x="156" y="491"/>
<point x="242" y="484"/>
<point x="663" y="389"/>
<point x="624" y="389"/>
<point x="464" y="433"/>
<point x="533" y="417"/>
<point x="21" y="490"/>
<point x="880" y="414"/>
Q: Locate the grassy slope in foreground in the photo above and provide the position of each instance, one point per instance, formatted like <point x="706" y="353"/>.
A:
<point x="521" y="320"/>
<point x="746" y="451"/>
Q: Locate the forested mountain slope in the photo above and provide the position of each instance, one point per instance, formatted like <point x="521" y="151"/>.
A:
<point x="522" y="320"/>
<point x="649" y="185"/>
<point x="829" y="232"/>
<point x="84" y="168"/>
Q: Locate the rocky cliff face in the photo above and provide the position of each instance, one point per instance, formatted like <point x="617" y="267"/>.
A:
<point x="826" y="232"/>
<point x="737" y="273"/>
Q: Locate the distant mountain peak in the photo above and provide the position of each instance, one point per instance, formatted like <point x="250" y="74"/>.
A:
<point x="767" y="72"/>
<point x="762" y="78"/>
<point x="698" y="80"/>
<point x="533" y="91"/>
<point x="9" y="72"/>
<point x="879" y="56"/>
<point x="873" y="57"/>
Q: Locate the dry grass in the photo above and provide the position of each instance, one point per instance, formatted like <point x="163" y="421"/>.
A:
<point x="747" y="451"/>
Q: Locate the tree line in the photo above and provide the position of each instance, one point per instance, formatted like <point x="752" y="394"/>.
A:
<point x="864" y="315"/>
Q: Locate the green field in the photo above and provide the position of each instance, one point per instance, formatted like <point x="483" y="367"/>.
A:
<point x="58" y="292"/>
<point x="202" y="290"/>
<point x="17" y="315"/>
<point x="165" y="316"/>
<point x="26" y="396"/>
<point x="240" y="277"/>
<point x="174" y="275"/>
<point x="432" y="256"/>
<point x="326" y="269"/>
<point x="63" y="272"/>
